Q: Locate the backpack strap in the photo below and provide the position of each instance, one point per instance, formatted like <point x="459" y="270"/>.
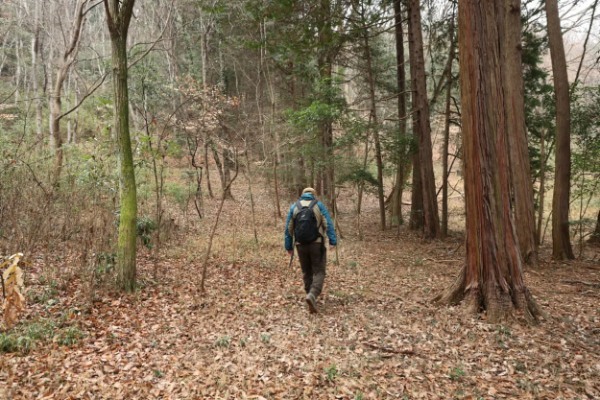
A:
<point x="311" y="205"/>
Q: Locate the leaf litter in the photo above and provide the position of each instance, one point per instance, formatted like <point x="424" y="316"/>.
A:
<point x="377" y="335"/>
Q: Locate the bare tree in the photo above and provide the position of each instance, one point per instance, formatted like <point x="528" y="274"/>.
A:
<point x="63" y="64"/>
<point x="118" y="17"/>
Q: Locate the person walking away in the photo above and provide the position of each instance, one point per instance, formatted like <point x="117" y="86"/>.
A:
<point x="307" y="224"/>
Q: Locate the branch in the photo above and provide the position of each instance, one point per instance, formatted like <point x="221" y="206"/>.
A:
<point x="592" y="284"/>
<point x="109" y="19"/>
<point x="7" y="97"/>
<point x="585" y="42"/>
<point x="92" y="7"/>
<point x="88" y="94"/>
<point x="76" y="34"/>
<point x="214" y="228"/>
<point x="157" y="40"/>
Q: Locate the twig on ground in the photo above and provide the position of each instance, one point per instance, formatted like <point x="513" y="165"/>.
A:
<point x="592" y="284"/>
<point x="408" y="352"/>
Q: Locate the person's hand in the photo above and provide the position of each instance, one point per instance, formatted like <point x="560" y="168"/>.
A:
<point x="332" y="247"/>
<point x="290" y="252"/>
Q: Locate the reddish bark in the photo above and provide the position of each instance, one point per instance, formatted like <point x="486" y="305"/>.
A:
<point x="492" y="279"/>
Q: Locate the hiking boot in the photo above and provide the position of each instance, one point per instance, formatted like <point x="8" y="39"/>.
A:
<point x="312" y="303"/>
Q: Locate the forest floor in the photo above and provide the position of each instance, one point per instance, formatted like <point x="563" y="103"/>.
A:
<point x="377" y="334"/>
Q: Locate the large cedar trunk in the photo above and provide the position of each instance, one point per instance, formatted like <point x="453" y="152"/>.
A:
<point x="421" y="127"/>
<point x="492" y="279"/>
<point x="512" y="77"/>
<point x="561" y="242"/>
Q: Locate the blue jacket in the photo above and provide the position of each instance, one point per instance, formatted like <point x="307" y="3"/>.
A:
<point x="322" y="215"/>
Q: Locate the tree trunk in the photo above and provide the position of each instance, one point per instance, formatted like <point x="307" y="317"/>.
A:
<point x="422" y="129"/>
<point x="417" y="220"/>
<point x="207" y="144"/>
<point x="36" y="46"/>
<point x="445" y="155"/>
<point x="325" y="65"/>
<point x="542" y="191"/>
<point x="118" y="19"/>
<point x="561" y="242"/>
<point x="373" y="118"/>
<point x="492" y="279"/>
<point x="401" y="164"/>
<point x="229" y="164"/>
<point x="57" y="142"/>
<point x="595" y="238"/>
<point x="65" y="62"/>
<point x="512" y="76"/>
<point x="445" y="168"/>
<point x="219" y="166"/>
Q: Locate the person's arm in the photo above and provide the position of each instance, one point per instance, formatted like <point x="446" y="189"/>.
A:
<point x="289" y="243"/>
<point x="330" y="229"/>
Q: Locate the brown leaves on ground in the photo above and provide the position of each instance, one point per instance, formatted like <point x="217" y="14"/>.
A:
<point x="377" y="335"/>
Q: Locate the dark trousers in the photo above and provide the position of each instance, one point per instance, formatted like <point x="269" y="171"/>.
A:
<point x="313" y="258"/>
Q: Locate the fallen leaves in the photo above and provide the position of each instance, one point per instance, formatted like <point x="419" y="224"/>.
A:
<point x="377" y="335"/>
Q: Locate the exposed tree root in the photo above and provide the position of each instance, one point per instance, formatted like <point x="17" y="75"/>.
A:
<point x="455" y="293"/>
<point x="499" y="305"/>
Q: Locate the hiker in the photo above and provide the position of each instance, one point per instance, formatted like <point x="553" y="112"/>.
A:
<point x="307" y="223"/>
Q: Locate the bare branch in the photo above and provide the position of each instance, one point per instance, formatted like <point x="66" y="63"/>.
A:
<point x="157" y="40"/>
<point x="88" y="94"/>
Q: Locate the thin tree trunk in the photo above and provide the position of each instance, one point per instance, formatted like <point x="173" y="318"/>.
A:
<point x="219" y="166"/>
<point x="431" y="223"/>
<point x="65" y="62"/>
<point x="252" y="206"/>
<point x="35" y="76"/>
<point x="228" y="165"/>
<point x="561" y="242"/>
<point x="542" y="190"/>
<point x="417" y="220"/>
<point x="401" y="163"/>
<point x="206" y="28"/>
<point x="207" y="143"/>
<point x="595" y="238"/>
<point x="325" y="65"/>
<point x="445" y="169"/>
<point x="118" y="19"/>
<point x="212" y="235"/>
<point x="374" y="120"/>
<point x="18" y="46"/>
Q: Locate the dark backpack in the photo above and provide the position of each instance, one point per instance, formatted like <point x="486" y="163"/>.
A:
<point x="306" y="228"/>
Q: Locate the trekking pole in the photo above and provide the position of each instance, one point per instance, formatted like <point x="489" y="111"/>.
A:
<point x="292" y="257"/>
